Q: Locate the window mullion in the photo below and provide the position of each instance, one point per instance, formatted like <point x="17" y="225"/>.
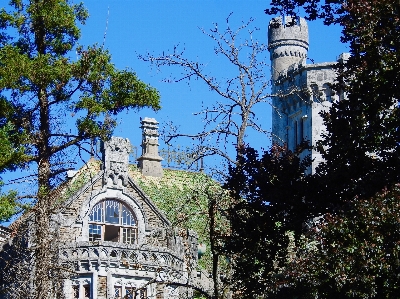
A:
<point x="103" y="212"/>
<point x="120" y="214"/>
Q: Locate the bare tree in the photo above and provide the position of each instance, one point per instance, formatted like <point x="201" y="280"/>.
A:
<point x="225" y="122"/>
<point x="244" y="87"/>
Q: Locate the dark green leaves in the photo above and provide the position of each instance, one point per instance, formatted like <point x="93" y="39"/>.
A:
<point x="39" y="80"/>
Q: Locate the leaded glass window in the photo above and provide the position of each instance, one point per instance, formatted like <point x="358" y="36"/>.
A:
<point x="94" y="232"/>
<point x="111" y="220"/>
<point x="129" y="293"/>
<point x="128" y="235"/>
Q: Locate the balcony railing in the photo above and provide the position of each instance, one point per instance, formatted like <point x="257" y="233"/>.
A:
<point x="128" y="256"/>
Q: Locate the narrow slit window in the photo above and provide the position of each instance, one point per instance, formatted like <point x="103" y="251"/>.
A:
<point x="117" y="292"/>
<point x="129" y="293"/>
<point x="75" y="291"/>
<point x="301" y="130"/>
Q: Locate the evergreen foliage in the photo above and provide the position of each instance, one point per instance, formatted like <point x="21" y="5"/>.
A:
<point x="40" y="87"/>
<point x="269" y="194"/>
<point x="355" y="252"/>
<point x="333" y="234"/>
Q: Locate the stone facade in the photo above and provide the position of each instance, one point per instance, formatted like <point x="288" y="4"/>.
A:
<point x="137" y="250"/>
<point x="4" y="233"/>
<point x="114" y="239"/>
<point x="301" y="91"/>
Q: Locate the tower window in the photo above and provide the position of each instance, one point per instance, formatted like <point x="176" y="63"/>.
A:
<point x="79" y="290"/>
<point x="132" y="293"/>
<point x="301" y="130"/>
<point x="117" y="292"/>
<point x="111" y="220"/>
<point x="328" y="92"/>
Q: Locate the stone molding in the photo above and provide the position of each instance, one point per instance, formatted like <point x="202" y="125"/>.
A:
<point x="88" y="257"/>
<point x="277" y="53"/>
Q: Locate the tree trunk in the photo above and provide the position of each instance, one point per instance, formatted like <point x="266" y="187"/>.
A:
<point x="43" y="252"/>
<point x="43" y="241"/>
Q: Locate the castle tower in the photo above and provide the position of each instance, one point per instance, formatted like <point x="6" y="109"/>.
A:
<point x="301" y="92"/>
<point x="287" y="43"/>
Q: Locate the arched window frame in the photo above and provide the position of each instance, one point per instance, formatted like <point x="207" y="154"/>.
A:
<point x="112" y="220"/>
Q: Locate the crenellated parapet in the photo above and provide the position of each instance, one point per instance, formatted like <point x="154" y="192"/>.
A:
<point x="287" y="43"/>
<point x="288" y="30"/>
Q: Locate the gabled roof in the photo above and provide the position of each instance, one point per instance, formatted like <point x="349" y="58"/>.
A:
<point x="178" y="197"/>
<point x="92" y="178"/>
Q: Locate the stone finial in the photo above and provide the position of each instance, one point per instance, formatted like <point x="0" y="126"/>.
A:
<point x="150" y="161"/>
<point x="115" y="160"/>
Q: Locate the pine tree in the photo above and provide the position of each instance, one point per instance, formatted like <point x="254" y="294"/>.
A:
<point x="40" y="85"/>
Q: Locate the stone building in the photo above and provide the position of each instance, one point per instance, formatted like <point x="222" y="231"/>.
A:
<point x="4" y="233"/>
<point x="301" y="91"/>
<point x="114" y="238"/>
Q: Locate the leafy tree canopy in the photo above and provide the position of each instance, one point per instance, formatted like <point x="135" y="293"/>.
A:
<point x="270" y="192"/>
<point x="361" y="147"/>
<point x="353" y="253"/>
<point x="41" y="86"/>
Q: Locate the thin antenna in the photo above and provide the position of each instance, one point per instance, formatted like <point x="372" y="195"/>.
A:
<point x="105" y="32"/>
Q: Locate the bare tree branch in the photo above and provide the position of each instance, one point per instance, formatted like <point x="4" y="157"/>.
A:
<point x="225" y="122"/>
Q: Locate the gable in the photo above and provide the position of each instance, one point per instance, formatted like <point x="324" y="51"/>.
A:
<point x="78" y="206"/>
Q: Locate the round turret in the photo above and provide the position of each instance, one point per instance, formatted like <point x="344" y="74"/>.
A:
<point x="287" y="43"/>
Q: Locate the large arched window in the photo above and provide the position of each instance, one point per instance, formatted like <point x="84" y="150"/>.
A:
<point x="111" y="220"/>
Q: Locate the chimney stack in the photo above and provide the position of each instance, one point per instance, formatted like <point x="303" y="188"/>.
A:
<point x="150" y="161"/>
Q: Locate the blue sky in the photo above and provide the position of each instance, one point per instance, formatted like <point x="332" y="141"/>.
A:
<point x="137" y="26"/>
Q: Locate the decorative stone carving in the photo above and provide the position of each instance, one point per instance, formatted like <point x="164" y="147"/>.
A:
<point x="116" y="159"/>
<point x="150" y="161"/>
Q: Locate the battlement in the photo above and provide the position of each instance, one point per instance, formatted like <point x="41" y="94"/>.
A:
<point x="287" y="44"/>
<point x="287" y="31"/>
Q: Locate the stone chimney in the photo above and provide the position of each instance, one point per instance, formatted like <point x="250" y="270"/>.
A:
<point x="150" y="161"/>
